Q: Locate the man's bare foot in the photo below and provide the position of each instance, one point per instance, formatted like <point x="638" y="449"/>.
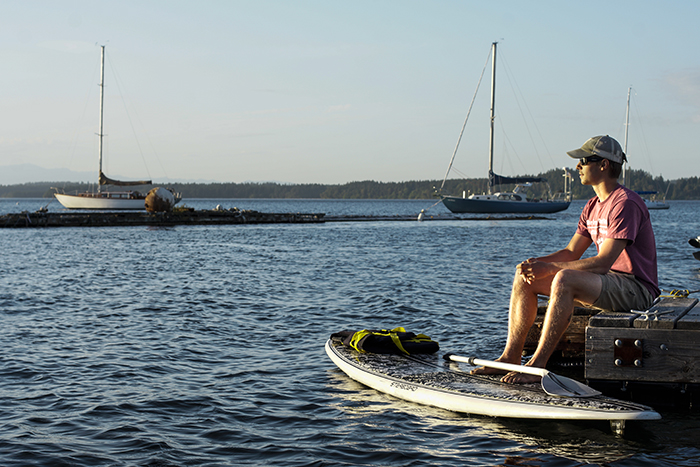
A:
<point x="520" y="378"/>
<point x="484" y="370"/>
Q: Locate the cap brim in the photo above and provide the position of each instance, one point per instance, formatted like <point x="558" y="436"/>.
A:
<point x="578" y="153"/>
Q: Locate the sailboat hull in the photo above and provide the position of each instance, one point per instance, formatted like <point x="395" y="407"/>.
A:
<point x="102" y="201"/>
<point x="459" y="205"/>
<point x="655" y="204"/>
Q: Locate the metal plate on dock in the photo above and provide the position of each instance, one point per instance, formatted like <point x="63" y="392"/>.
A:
<point x="668" y="355"/>
<point x="660" y="345"/>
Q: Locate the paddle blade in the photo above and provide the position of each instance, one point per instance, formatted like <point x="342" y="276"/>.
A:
<point x="556" y="385"/>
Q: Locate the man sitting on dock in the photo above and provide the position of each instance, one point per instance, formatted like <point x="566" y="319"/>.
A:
<point x="621" y="277"/>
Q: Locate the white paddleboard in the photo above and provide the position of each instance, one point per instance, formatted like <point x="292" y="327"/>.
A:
<point x="429" y="380"/>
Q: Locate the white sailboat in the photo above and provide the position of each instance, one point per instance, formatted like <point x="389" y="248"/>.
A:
<point x="107" y="200"/>
<point x="648" y="196"/>
<point x="508" y="202"/>
<point x="650" y="200"/>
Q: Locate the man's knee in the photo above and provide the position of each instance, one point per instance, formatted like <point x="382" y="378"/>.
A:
<point x="566" y="279"/>
<point x="573" y="282"/>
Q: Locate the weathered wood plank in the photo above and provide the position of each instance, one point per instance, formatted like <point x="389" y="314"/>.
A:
<point x="666" y="355"/>
<point x="665" y="314"/>
<point x="613" y="319"/>
<point x="690" y="320"/>
<point x="137" y="218"/>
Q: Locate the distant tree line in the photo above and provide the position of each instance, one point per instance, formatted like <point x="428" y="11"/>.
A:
<point x="684" y="188"/>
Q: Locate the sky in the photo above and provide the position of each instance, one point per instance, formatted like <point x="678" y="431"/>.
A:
<point x="329" y="91"/>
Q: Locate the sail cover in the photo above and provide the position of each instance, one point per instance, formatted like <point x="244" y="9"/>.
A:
<point x="495" y="179"/>
<point x="104" y="180"/>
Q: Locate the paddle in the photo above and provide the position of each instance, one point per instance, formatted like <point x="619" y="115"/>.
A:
<point x="552" y="384"/>
<point x="695" y="242"/>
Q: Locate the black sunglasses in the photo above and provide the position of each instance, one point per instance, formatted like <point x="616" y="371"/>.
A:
<point x="589" y="159"/>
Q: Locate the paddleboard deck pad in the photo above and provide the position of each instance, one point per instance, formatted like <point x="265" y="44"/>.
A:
<point x="430" y="380"/>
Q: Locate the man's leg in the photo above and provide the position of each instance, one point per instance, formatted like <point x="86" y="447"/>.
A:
<point x="568" y="285"/>
<point x="521" y="316"/>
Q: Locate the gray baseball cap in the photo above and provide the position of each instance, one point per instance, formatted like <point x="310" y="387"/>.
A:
<point x="601" y="146"/>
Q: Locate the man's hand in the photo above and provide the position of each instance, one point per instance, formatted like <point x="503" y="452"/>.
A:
<point x="532" y="269"/>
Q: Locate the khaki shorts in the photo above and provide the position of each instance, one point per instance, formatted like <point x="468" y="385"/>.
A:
<point x="623" y="292"/>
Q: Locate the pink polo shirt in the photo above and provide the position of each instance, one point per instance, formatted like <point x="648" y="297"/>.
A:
<point x="624" y="216"/>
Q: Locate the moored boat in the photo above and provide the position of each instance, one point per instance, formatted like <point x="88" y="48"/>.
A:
<point x="649" y="198"/>
<point x="108" y="200"/>
<point x="516" y="201"/>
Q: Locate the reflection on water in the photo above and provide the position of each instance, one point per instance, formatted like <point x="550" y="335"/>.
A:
<point x="580" y="441"/>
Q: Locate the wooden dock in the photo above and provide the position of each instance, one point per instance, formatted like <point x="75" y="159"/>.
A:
<point x="189" y="216"/>
<point x="164" y="219"/>
<point x="652" y="357"/>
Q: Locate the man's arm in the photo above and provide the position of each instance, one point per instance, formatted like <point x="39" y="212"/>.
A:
<point x="601" y="263"/>
<point x="573" y="251"/>
<point x="569" y="258"/>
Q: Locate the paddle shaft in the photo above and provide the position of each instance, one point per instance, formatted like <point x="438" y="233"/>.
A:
<point x="530" y="370"/>
<point x="552" y="384"/>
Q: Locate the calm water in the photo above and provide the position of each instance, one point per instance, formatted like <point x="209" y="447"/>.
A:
<point x="203" y="346"/>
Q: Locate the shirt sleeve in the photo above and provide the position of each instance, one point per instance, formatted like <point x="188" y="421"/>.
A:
<point x="624" y="221"/>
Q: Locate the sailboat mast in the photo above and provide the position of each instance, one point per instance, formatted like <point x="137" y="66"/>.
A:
<point x="493" y="110"/>
<point x="102" y="100"/>
<point x="627" y="127"/>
